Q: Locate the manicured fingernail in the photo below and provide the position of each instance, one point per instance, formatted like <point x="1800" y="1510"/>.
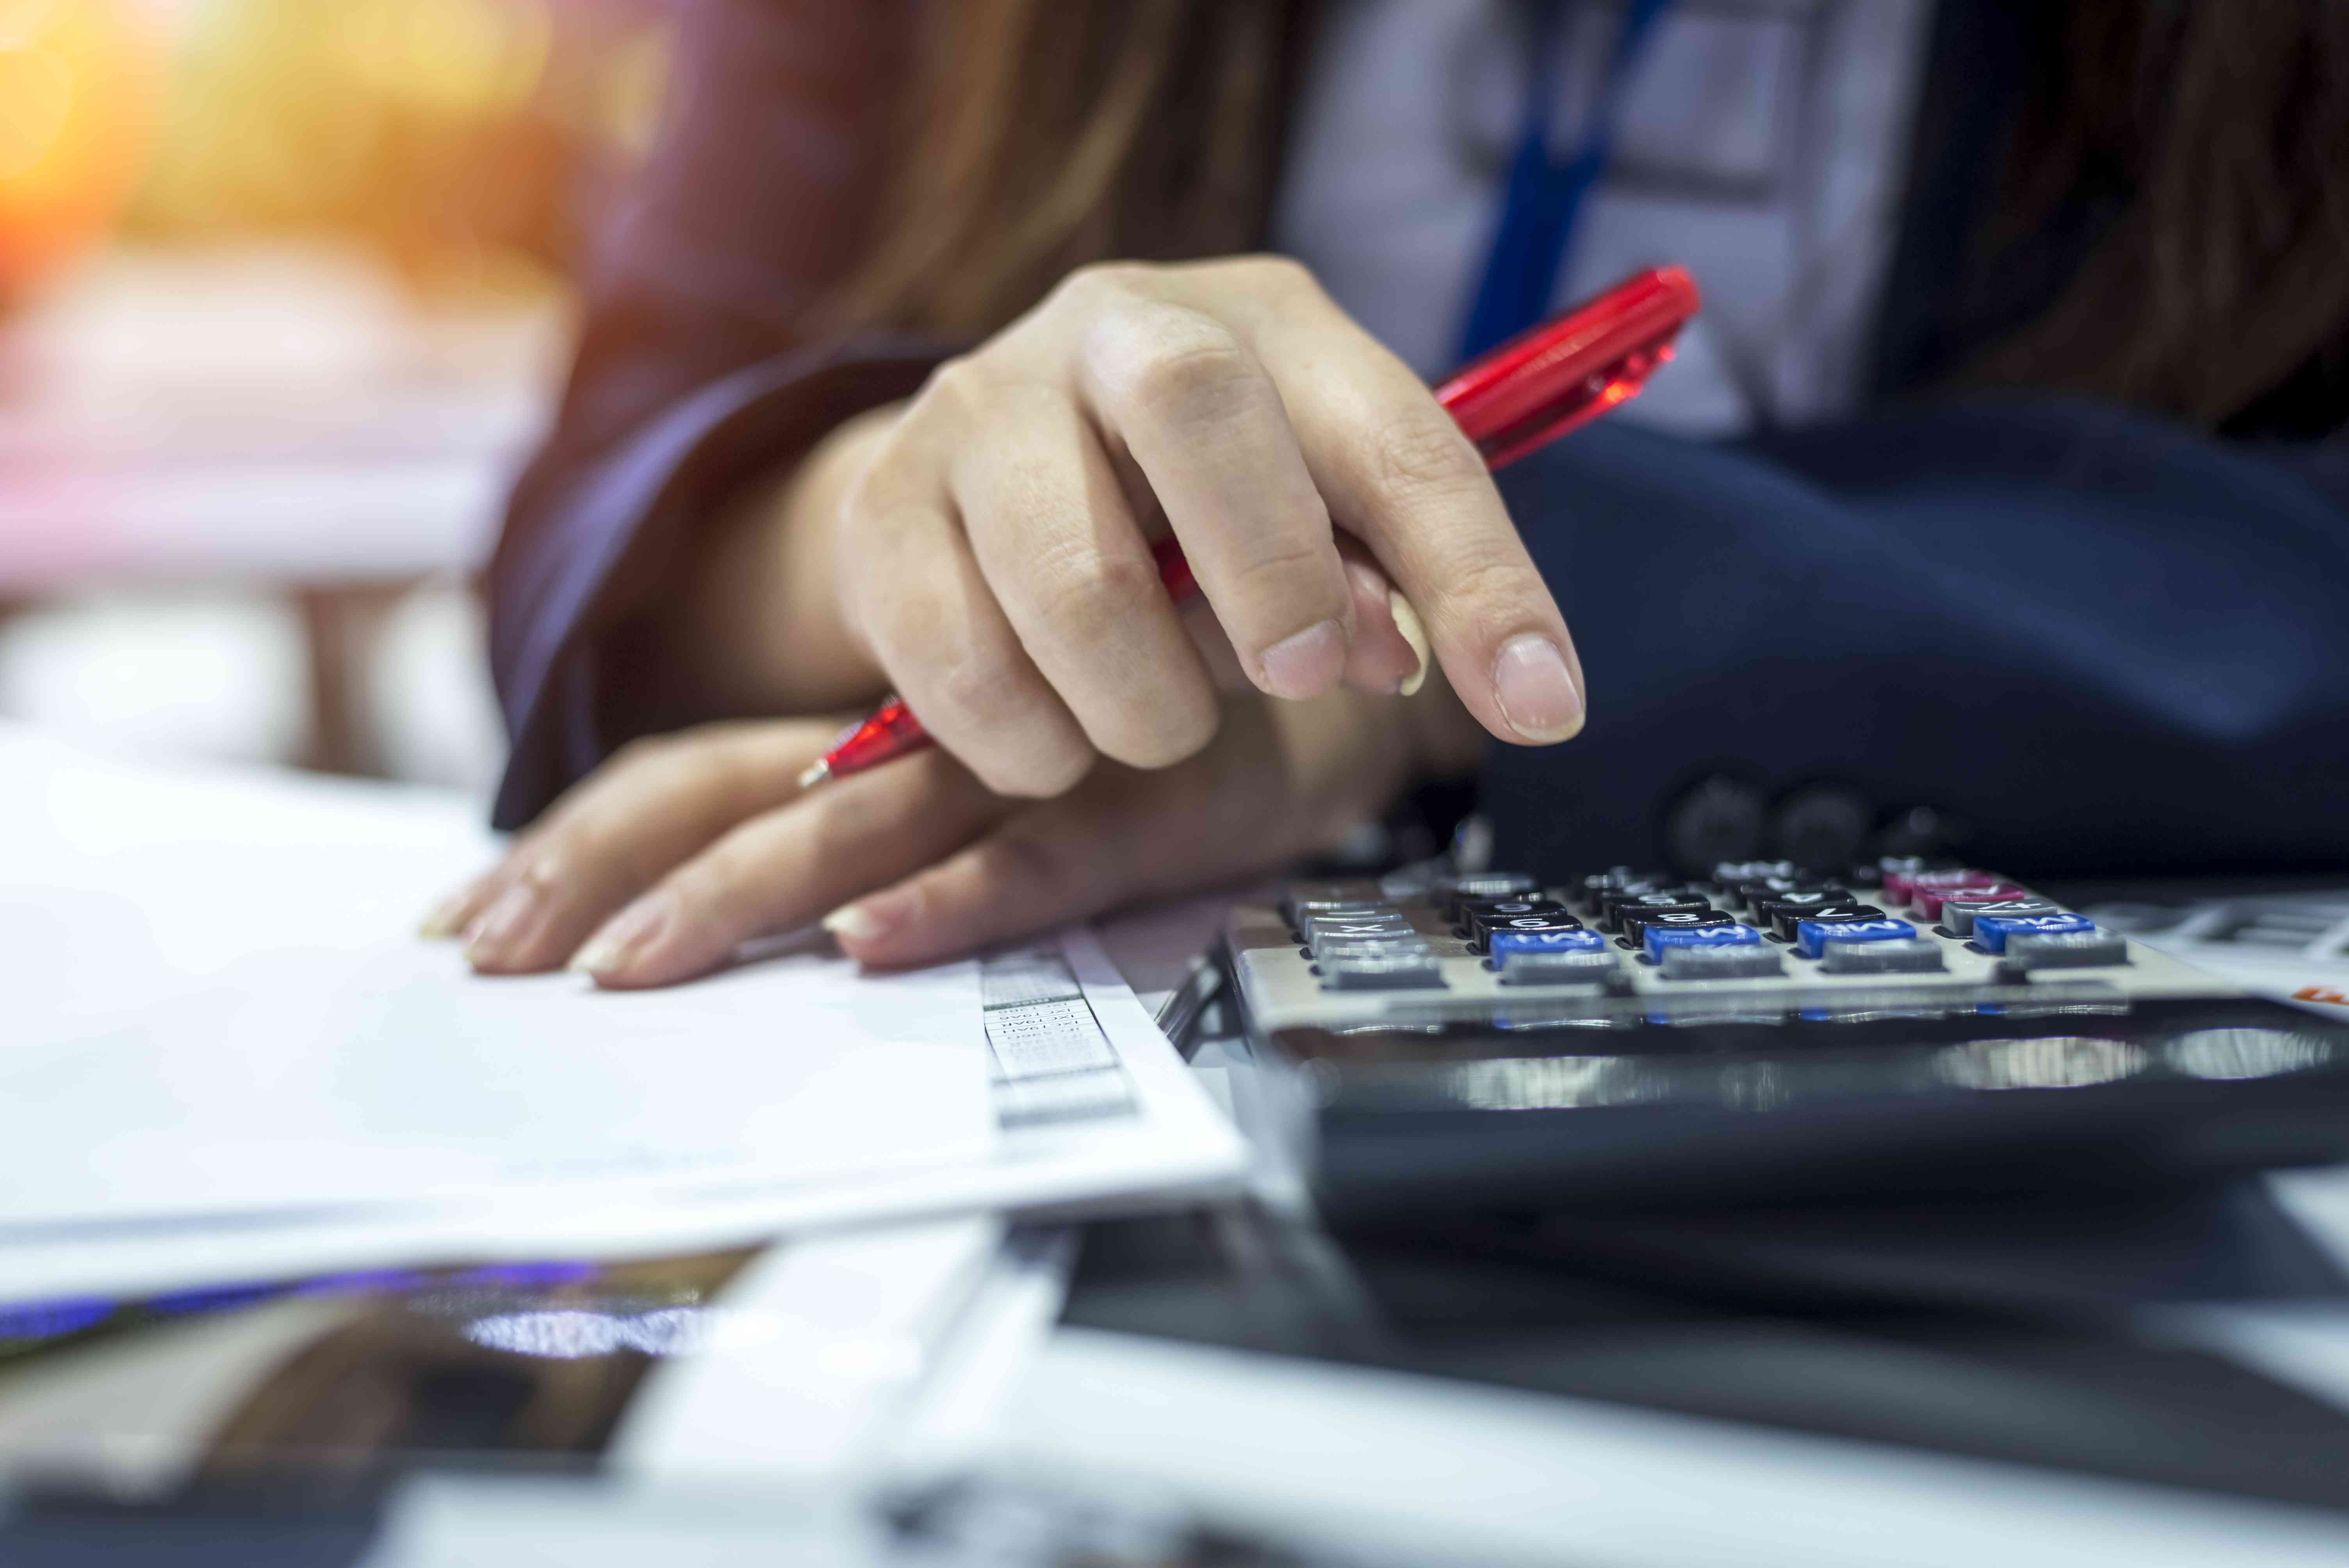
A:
<point x="447" y="917"/>
<point x="1308" y="664"/>
<point x="487" y="939"/>
<point x="1535" y="691"/>
<point x="1406" y="620"/>
<point x="860" y="922"/>
<point x="624" y="938"/>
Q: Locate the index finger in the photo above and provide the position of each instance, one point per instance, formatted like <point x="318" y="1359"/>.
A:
<point x="1398" y="474"/>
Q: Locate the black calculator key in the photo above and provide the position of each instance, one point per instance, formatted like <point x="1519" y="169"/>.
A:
<point x="1478" y="914"/>
<point x="1767" y="906"/>
<point x="1638" y="922"/>
<point x="1784" y="922"/>
<point x="1554" y="921"/>
<point x="1478" y="885"/>
<point x="1729" y="873"/>
<point x="1613" y="913"/>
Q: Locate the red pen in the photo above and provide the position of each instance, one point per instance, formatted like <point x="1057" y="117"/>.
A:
<point x="1544" y="382"/>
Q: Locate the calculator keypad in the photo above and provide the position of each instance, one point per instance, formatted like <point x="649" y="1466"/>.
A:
<point x="1424" y="930"/>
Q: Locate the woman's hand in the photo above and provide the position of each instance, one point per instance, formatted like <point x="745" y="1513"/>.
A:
<point x="986" y="549"/>
<point x="659" y="865"/>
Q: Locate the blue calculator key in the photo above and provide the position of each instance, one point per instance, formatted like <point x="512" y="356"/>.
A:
<point x="1990" y="931"/>
<point x="1507" y="942"/>
<point x="1662" y="938"/>
<point x="1812" y="936"/>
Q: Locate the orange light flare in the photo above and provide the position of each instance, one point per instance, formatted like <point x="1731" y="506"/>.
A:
<point x="79" y="83"/>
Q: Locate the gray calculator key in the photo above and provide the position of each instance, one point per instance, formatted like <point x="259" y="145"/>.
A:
<point x="1560" y="968"/>
<point x="1958" y="914"/>
<point x="1300" y="899"/>
<point x="1369" y="926"/>
<point x="1396" y="968"/>
<point x="2066" y="949"/>
<point x="1738" y="963"/>
<point x="1916" y="955"/>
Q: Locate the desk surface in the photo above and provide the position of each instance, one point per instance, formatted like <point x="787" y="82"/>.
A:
<point x="271" y="414"/>
<point x="1502" y="1391"/>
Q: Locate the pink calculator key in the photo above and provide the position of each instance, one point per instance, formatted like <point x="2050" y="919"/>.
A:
<point x="1930" y="900"/>
<point x="1916" y="882"/>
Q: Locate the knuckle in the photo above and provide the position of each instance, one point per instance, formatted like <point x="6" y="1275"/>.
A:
<point x="1279" y="565"/>
<point x="1090" y="598"/>
<point x="979" y="683"/>
<point x="1195" y="373"/>
<point x="956" y="386"/>
<point x="1279" y="274"/>
<point x="1486" y="586"/>
<point x="1424" y="454"/>
<point x="1096" y="283"/>
<point x="644" y="751"/>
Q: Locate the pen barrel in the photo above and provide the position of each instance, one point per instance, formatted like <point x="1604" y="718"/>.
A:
<point x="891" y="731"/>
<point x="1551" y="377"/>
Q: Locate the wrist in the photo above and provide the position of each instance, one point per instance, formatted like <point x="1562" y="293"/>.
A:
<point x="758" y="626"/>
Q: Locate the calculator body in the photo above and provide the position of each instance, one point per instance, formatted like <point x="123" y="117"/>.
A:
<point x="1434" y="1040"/>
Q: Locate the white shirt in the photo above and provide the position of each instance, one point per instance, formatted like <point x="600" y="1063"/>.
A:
<point x="1762" y="143"/>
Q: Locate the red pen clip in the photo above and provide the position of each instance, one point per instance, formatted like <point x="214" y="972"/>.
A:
<point x="1522" y="396"/>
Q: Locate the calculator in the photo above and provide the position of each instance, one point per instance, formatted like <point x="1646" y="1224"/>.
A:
<point x="1437" y="1037"/>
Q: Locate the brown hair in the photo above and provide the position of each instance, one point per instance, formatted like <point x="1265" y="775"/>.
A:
<point x="1043" y="134"/>
<point x="2219" y="137"/>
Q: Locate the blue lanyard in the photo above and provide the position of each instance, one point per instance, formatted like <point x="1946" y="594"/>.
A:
<point x="1544" y="198"/>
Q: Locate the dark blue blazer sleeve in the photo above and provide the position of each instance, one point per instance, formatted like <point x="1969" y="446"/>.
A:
<point x="696" y="373"/>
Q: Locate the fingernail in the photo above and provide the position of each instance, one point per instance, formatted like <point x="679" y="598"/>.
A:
<point x="487" y="938"/>
<point x="443" y="922"/>
<point x="621" y="939"/>
<point x="1308" y="664"/>
<point x="1535" y="689"/>
<point x="1406" y="620"/>
<point x="863" y="921"/>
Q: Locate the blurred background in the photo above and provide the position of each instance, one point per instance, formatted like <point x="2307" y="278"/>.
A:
<point x="282" y="307"/>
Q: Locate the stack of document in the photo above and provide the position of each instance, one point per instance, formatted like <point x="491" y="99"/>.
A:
<point x="225" y="1056"/>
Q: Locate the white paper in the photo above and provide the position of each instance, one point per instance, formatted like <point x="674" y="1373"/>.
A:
<point x="216" y="1006"/>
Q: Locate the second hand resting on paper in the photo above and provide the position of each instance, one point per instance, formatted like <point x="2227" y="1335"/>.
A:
<point x="984" y="550"/>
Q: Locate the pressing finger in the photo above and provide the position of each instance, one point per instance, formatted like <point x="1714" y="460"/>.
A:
<point x="1398" y="472"/>
<point x="1205" y="422"/>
